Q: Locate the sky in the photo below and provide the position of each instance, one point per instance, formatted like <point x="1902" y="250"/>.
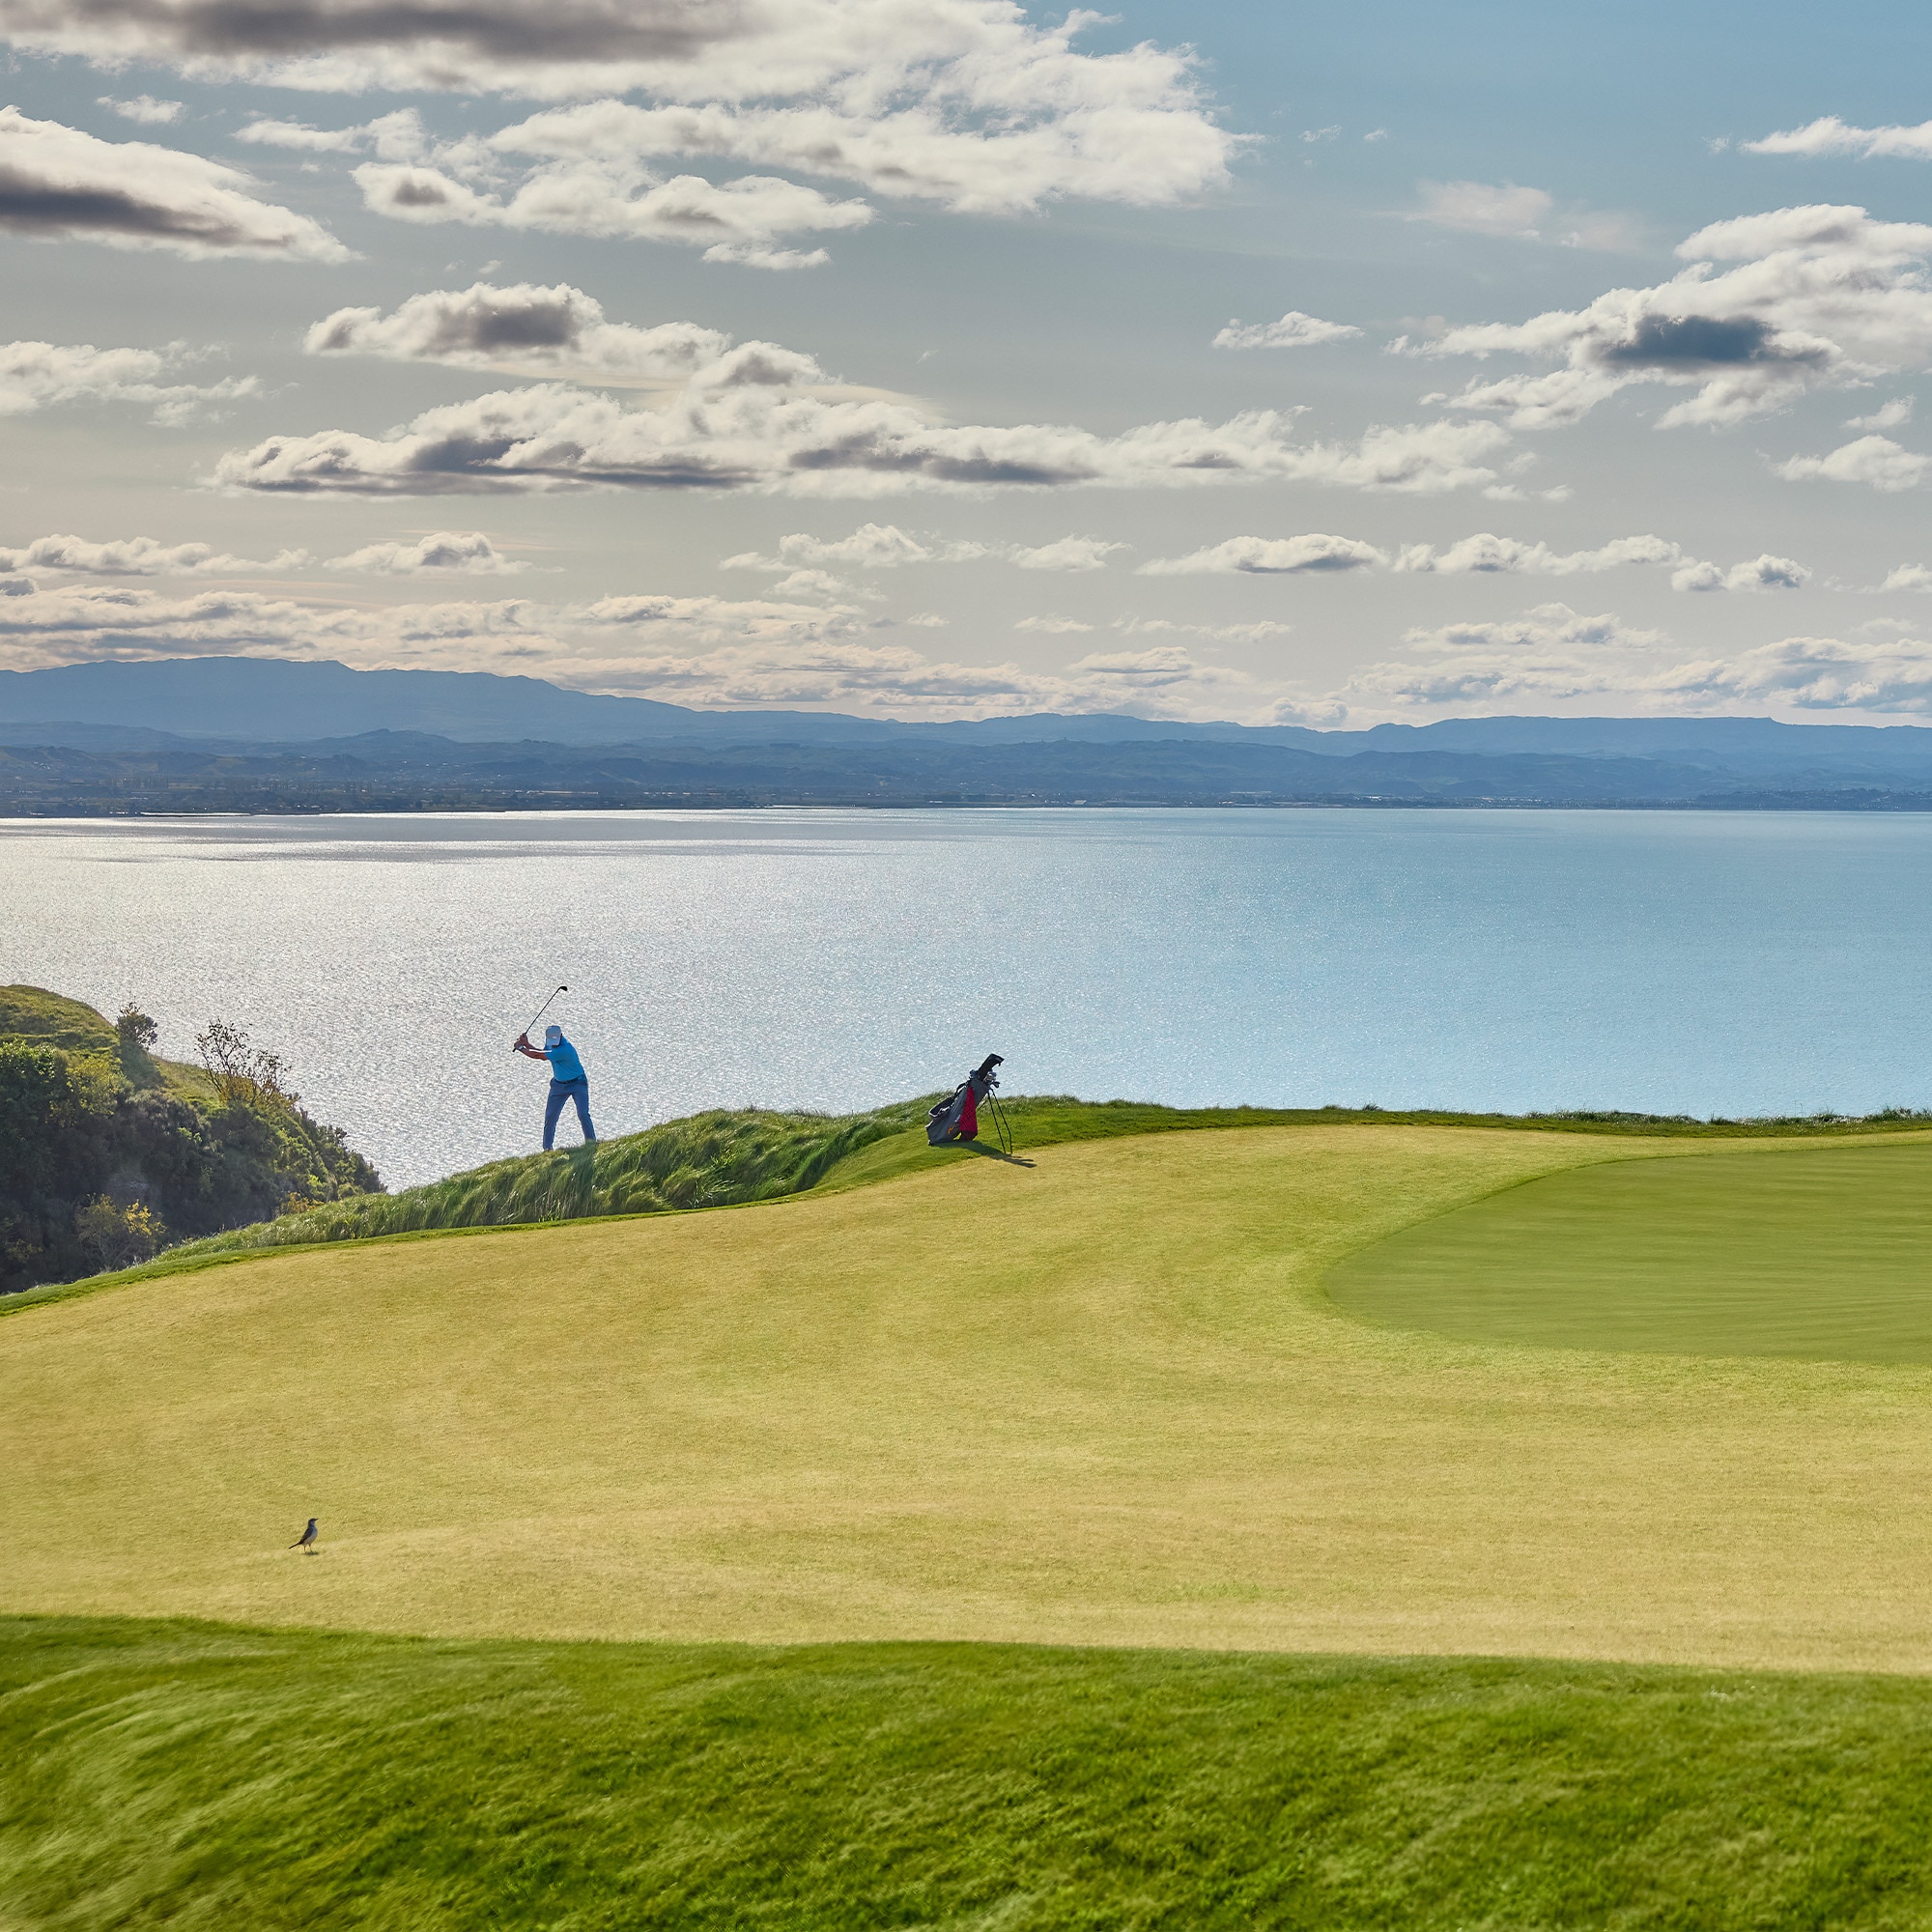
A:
<point x="935" y="359"/>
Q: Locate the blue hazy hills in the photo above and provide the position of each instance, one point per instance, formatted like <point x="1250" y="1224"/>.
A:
<point x="285" y="734"/>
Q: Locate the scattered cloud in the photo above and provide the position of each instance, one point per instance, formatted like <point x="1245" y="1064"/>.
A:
<point x="143" y="108"/>
<point x="1314" y="135"/>
<point x="1821" y="297"/>
<point x="1888" y="416"/>
<point x="1270" y="556"/>
<point x="36" y="374"/>
<point x="1811" y="675"/>
<point x="1071" y="554"/>
<point x="468" y="551"/>
<point x="1524" y="215"/>
<point x="1831" y="136"/>
<point x="1870" y="459"/>
<point x="141" y="557"/>
<point x="870" y="547"/>
<point x="59" y="184"/>
<point x="1294" y="330"/>
<point x="745" y="220"/>
<point x="885" y="546"/>
<point x="1908" y="577"/>
<point x="757" y="417"/>
<point x="1486" y="554"/>
<point x="1548" y="653"/>
<point x="965" y="102"/>
<point x="1052" y="627"/>
<point x="390" y="137"/>
<point x="1758" y="573"/>
<point x="526" y="326"/>
<point x="1480" y="208"/>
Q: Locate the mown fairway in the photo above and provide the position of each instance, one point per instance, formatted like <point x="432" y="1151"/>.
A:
<point x="207" y="1779"/>
<point x="1826" y="1254"/>
<point x="1103" y="1399"/>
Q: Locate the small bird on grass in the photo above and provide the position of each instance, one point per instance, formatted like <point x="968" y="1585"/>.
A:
<point x="305" y="1542"/>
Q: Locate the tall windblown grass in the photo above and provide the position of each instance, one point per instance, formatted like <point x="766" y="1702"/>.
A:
<point x="710" y="1160"/>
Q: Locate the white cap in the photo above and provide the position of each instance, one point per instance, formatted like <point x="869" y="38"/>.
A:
<point x="552" y="1035"/>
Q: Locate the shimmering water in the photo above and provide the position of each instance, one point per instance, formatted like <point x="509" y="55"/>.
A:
<point x="1701" y="963"/>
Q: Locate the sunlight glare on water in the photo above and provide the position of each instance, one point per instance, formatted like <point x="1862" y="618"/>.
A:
<point x="1733" y="963"/>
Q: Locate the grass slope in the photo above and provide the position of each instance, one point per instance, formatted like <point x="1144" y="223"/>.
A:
<point x="1825" y="1253"/>
<point x="1103" y="1399"/>
<point x="728" y="1158"/>
<point x="192" y="1778"/>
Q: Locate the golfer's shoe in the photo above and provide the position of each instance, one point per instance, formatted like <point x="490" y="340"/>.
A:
<point x="306" y="1540"/>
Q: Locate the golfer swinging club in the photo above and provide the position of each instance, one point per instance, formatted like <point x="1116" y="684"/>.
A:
<point x="568" y="1081"/>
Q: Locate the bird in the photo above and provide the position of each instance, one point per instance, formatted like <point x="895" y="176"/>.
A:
<point x="305" y="1542"/>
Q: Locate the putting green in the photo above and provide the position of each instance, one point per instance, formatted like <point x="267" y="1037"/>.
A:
<point x="1822" y="1254"/>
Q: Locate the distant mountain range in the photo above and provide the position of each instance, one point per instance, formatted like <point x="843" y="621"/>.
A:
<point x="271" y="734"/>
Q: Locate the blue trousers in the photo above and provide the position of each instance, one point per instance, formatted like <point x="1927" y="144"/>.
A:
<point x="561" y="1091"/>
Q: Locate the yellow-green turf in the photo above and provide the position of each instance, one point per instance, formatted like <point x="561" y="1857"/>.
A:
<point x="1825" y="1253"/>
<point x="1102" y="1400"/>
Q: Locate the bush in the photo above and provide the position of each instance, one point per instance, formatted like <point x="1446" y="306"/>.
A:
<point x="103" y="1155"/>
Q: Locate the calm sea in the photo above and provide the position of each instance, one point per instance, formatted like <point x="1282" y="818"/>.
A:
<point x="1732" y="963"/>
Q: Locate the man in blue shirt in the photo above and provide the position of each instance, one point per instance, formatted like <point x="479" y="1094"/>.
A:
<point x="567" y="1081"/>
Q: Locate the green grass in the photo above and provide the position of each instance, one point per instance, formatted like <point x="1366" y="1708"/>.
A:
<point x="727" y="1158"/>
<point x="197" y="1779"/>
<point x="1824" y="1254"/>
<point x="1103" y="1399"/>
<point x="709" y="1160"/>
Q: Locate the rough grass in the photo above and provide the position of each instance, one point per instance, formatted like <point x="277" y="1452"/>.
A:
<point x="200" y="1778"/>
<point x="726" y="1158"/>
<point x="710" y="1160"/>
<point x="1821" y="1253"/>
<point x="1103" y="1399"/>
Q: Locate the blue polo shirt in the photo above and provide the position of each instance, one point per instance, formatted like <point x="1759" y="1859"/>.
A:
<point x="564" y="1063"/>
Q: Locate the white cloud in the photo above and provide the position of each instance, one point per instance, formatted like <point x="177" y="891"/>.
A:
<point x="757" y="417"/>
<point x="140" y="557"/>
<point x="691" y="650"/>
<point x="1486" y="554"/>
<point x="36" y="374"/>
<point x="1052" y="627"/>
<point x="1810" y="673"/>
<point x="1908" y="577"/>
<point x="1480" y="208"/>
<point x="1870" y="459"/>
<point x="390" y="137"/>
<point x="1294" y="330"/>
<point x="870" y="547"/>
<point x="143" y="108"/>
<point x="1314" y="135"/>
<point x="1887" y="415"/>
<point x="1820" y="296"/>
<point x="526" y="326"/>
<point x="1549" y="652"/>
<point x="886" y="547"/>
<point x="468" y="551"/>
<point x="962" y="101"/>
<point x="743" y="221"/>
<point x="1758" y="573"/>
<point x="1239" y="634"/>
<point x="57" y="184"/>
<point x="1270" y="556"/>
<point x="1072" y="554"/>
<point x="1829" y="135"/>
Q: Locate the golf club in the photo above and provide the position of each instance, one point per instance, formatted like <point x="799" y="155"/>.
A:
<point x="539" y="1013"/>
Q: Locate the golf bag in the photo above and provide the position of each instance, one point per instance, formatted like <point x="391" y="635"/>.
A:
<point x="957" y="1118"/>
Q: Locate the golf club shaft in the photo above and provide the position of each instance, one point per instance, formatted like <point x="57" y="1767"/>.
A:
<point x="543" y="1009"/>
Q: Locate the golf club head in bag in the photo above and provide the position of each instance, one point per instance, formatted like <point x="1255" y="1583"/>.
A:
<point x="957" y="1117"/>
